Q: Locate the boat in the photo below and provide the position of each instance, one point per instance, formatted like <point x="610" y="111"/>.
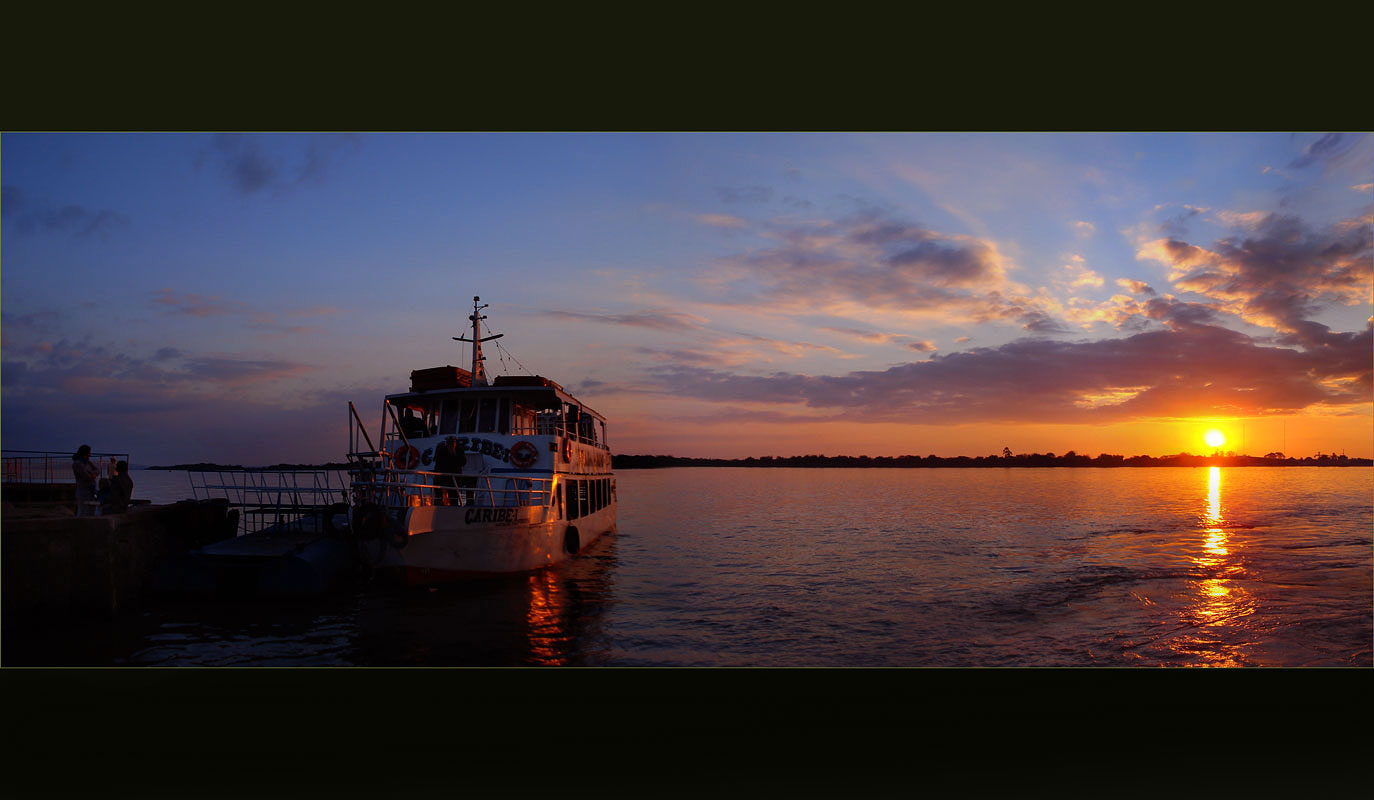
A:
<point x="536" y="488"/>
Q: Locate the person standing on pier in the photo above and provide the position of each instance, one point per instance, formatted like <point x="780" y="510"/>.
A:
<point x="85" y="473"/>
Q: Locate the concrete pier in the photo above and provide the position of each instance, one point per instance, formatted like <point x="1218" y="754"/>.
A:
<point x="85" y="567"/>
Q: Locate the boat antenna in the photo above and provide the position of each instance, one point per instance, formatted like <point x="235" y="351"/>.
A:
<point x="479" y="375"/>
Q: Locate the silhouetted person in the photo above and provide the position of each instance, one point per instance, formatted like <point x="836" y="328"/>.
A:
<point x="120" y="491"/>
<point x="85" y="473"/>
<point x="449" y="459"/>
<point x="412" y="426"/>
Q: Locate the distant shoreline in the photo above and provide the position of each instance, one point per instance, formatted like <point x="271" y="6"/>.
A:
<point x="1070" y="460"/>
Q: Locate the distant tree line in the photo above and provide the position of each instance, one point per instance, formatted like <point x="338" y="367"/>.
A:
<point x="1007" y="459"/>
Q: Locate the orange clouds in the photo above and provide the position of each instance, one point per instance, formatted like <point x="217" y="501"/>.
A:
<point x="1280" y="275"/>
<point x="1193" y="370"/>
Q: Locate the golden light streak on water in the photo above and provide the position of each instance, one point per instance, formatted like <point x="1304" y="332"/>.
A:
<point x="1216" y="536"/>
<point x="1221" y="601"/>
<point x="548" y="639"/>
<point x="1214" y="496"/>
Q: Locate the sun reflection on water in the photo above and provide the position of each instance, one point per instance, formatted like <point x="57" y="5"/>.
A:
<point x="1213" y="617"/>
<point x="1216" y="536"/>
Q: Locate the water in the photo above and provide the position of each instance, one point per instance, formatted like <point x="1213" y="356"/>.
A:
<point x="833" y="567"/>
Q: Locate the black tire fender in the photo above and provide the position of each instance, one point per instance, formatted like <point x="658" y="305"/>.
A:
<point x="397" y="534"/>
<point x="369" y="521"/>
<point x="572" y="541"/>
<point x="327" y="518"/>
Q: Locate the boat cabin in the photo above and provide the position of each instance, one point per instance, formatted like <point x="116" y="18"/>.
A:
<point x="517" y="406"/>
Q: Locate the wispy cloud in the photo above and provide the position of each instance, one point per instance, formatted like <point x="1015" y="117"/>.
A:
<point x="722" y="221"/>
<point x="744" y="194"/>
<point x="871" y="262"/>
<point x="1329" y="146"/>
<point x="193" y="305"/>
<point x="30" y="216"/>
<point x="867" y="336"/>
<point x="270" y="323"/>
<point x="255" y="163"/>
<point x="654" y="318"/>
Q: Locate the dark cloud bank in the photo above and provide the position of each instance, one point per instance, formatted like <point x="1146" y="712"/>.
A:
<point x="1189" y="371"/>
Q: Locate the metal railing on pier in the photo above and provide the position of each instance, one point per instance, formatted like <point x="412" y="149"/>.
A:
<point x="267" y="497"/>
<point x="50" y="466"/>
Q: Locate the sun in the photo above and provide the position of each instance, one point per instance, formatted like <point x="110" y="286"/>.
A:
<point x="1214" y="438"/>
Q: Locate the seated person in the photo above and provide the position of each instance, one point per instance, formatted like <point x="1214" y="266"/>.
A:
<point x="119" y="492"/>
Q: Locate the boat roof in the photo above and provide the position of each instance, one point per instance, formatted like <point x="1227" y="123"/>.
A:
<point x="539" y="396"/>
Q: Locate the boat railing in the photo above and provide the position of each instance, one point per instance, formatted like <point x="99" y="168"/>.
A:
<point x="391" y="439"/>
<point x="414" y="488"/>
<point x="268" y="497"/>
<point x="50" y="466"/>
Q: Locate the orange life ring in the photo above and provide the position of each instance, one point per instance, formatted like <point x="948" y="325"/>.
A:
<point x="567" y="450"/>
<point x="406" y="458"/>
<point x="523" y="454"/>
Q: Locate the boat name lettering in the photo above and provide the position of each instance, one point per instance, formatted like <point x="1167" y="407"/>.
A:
<point x="500" y="516"/>
<point x="485" y="447"/>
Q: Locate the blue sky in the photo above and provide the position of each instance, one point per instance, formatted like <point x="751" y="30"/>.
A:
<point x="221" y="297"/>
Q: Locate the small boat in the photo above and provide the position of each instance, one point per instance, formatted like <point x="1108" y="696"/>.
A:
<point x="534" y="488"/>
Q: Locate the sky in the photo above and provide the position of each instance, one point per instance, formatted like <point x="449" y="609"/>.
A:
<point x="223" y="297"/>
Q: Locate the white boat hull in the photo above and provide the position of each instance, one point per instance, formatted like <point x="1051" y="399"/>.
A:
<point x="446" y="543"/>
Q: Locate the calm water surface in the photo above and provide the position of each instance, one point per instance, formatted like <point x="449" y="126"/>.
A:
<point x="832" y="567"/>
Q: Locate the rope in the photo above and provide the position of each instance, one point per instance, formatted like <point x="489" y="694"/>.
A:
<point x="503" y="352"/>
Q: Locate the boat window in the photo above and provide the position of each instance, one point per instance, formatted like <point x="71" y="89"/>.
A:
<point x="571" y="414"/>
<point x="467" y="418"/>
<point x="583" y="498"/>
<point x="503" y="416"/>
<point x="601" y="423"/>
<point x="524" y="419"/>
<point x="572" y="499"/>
<point x="412" y="426"/>
<point x="547" y="423"/>
<point x="448" y="419"/>
<point x="486" y="415"/>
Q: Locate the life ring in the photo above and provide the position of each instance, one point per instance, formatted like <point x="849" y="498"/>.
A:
<point x="406" y="458"/>
<point x="523" y="454"/>
<point x="567" y="450"/>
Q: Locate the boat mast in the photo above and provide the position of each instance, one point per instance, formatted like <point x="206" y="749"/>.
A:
<point x="479" y="375"/>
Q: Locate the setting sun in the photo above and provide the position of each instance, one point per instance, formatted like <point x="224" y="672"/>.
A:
<point x="1214" y="438"/>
